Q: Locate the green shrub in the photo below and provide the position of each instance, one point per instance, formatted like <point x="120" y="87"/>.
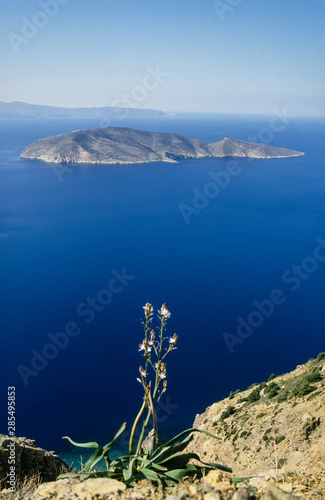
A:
<point x="320" y="357"/>
<point x="314" y="375"/>
<point x="233" y="394"/>
<point x="281" y="463"/>
<point x="260" y="415"/>
<point x="272" y="390"/>
<point x="279" y="439"/>
<point x="271" y="377"/>
<point x="303" y="388"/>
<point x="282" y="397"/>
<point x="230" y="410"/>
<point x="254" y="396"/>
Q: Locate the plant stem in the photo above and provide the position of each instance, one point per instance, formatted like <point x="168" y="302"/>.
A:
<point x="136" y="421"/>
<point x="145" y="424"/>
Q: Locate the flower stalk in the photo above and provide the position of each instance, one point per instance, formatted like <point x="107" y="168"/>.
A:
<point x="154" y="352"/>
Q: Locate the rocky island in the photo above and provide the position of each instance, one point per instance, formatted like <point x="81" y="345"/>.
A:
<point x="113" y="145"/>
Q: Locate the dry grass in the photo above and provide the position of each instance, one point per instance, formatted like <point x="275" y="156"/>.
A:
<point x="25" y="486"/>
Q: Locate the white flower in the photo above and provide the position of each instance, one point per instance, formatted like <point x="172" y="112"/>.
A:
<point x="172" y="340"/>
<point x="144" y="347"/>
<point x="164" y="311"/>
<point x="142" y="372"/>
<point x="162" y="375"/>
<point x="148" y="309"/>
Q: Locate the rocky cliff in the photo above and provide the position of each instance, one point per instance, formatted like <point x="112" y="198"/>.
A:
<point x="272" y="429"/>
<point x="29" y="461"/>
<point x="124" y="145"/>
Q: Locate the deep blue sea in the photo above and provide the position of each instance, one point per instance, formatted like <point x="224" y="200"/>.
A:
<point x="67" y="232"/>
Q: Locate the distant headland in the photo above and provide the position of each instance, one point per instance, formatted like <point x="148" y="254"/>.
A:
<point x="113" y="145"/>
<point x="17" y="109"/>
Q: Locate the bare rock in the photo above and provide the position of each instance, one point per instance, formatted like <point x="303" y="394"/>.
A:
<point x="29" y="460"/>
<point x="152" y="442"/>
<point x="274" y="493"/>
<point x="212" y="495"/>
<point x="241" y="494"/>
<point x="87" y="490"/>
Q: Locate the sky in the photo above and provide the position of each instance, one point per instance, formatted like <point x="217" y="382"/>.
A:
<point x="236" y="56"/>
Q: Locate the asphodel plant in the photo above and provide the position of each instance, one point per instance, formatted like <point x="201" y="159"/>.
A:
<point x="154" y="356"/>
<point x="149" y="458"/>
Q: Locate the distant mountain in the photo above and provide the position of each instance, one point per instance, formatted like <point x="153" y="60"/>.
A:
<point x="23" y="109"/>
<point x="126" y="145"/>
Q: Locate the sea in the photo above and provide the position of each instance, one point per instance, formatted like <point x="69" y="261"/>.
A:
<point x="234" y="247"/>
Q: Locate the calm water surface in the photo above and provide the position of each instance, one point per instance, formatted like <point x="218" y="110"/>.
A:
<point x="66" y="233"/>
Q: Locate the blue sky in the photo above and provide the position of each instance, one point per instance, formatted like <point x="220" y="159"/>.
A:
<point x="247" y="56"/>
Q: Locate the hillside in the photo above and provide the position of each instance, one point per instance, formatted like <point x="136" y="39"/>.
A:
<point x="124" y="145"/>
<point x="273" y="428"/>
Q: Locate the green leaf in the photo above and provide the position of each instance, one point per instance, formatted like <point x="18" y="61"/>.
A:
<point x="117" y="435"/>
<point x="216" y="466"/>
<point x="172" y="450"/>
<point x="82" y="445"/>
<point x="177" y="474"/>
<point x="89" y="474"/>
<point x="94" y="459"/>
<point x="148" y="463"/>
<point x="180" y="461"/>
<point x="169" y="443"/>
<point x="127" y="473"/>
<point x="150" y="474"/>
<point x="237" y="480"/>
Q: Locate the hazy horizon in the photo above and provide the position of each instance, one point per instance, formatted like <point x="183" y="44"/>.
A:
<point x="229" y="56"/>
<point x="175" y="111"/>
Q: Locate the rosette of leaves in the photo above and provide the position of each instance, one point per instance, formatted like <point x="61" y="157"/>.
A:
<point x="168" y="463"/>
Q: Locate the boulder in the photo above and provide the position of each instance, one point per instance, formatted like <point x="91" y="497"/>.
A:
<point x="30" y="460"/>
